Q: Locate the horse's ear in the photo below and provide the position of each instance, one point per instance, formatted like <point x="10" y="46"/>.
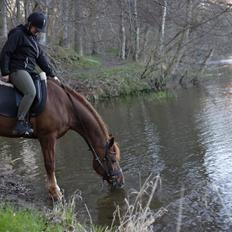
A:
<point x="111" y="142"/>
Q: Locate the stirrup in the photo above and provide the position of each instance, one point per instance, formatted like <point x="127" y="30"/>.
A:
<point x="23" y="128"/>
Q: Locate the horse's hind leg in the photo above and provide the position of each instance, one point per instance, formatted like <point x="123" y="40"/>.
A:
<point x="48" y="148"/>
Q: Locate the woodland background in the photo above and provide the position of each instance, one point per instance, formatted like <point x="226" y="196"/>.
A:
<point x="168" y="38"/>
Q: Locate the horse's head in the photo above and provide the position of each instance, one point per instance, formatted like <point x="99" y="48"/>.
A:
<point x="108" y="166"/>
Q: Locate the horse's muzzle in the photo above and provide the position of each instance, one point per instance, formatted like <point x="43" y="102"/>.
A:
<point x="117" y="179"/>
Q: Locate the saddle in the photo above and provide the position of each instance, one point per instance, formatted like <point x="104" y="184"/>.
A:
<point x="10" y="97"/>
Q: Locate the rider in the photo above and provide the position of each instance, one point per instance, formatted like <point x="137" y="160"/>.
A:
<point x="19" y="57"/>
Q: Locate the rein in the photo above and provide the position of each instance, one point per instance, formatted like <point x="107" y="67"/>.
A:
<point x="96" y="156"/>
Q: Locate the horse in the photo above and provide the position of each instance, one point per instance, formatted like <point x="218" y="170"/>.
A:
<point x="65" y="110"/>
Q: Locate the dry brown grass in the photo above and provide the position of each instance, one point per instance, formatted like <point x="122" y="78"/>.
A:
<point x="138" y="215"/>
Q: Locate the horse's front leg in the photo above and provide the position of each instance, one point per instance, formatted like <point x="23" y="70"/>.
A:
<point x="48" y="148"/>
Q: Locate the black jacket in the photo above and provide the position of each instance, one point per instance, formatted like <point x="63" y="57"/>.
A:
<point x="22" y="52"/>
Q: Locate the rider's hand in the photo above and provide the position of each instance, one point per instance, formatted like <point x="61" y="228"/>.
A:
<point x="55" y="78"/>
<point x="6" y="78"/>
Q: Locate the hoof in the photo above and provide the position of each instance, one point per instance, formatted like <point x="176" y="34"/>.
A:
<point x="55" y="194"/>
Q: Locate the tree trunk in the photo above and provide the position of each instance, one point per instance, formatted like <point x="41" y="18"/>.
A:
<point x="78" y="41"/>
<point x="81" y="50"/>
<point x="93" y="27"/>
<point x="4" y="16"/>
<point x="137" y="30"/>
<point x="43" y="38"/>
<point x="65" y="41"/>
<point x="27" y="8"/>
<point x="161" y="48"/>
<point x="182" y="45"/>
<point x="18" y="13"/>
<point x="162" y="28"/>
<point x="1" y="17"/>
<point x="122" y="31"/>
<point x="129" y="41"/>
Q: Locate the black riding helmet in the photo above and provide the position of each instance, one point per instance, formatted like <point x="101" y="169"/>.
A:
<point x="38" y="20"/>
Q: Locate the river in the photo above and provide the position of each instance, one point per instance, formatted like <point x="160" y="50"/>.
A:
<point x="186" y="138"/>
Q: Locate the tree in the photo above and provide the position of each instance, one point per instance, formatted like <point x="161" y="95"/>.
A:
<point x="122" y="30"/>
<point x="136" y="32"/>
<point x="66" y="22"/>
<point x="4" y="18"/>
<point x="78" y="28"/>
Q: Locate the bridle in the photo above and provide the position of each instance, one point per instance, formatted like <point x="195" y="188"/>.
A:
<point x="110" y="174"/>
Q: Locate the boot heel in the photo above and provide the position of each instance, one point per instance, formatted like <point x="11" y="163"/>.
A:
<point x="22" y="128"/>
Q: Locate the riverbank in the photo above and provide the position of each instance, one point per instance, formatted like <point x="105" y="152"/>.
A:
<point x="102" y="77"/>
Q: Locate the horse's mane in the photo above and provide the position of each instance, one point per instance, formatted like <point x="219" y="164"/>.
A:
<point x="91" y="109"/>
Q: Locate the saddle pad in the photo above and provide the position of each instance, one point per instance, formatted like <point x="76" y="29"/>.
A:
<point x="10" y="98"/>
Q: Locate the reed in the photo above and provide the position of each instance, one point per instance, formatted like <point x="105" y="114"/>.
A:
<point x="138" y="215"/>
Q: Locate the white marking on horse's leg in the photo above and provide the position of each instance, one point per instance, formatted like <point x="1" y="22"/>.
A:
<point x="52" y="182"/>
<point x="55" y="182"/>
<point x="53" y="187"/>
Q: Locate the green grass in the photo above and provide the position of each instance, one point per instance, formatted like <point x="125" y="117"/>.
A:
<point x="113" y="51"/>
<point x="129" y="71"/>
<point x="115" y="81"/>
<point x="12" y="220"/>
<point x="163" y="95"/>
<point x="70" y="58"/>
<point x="58" y="220"/>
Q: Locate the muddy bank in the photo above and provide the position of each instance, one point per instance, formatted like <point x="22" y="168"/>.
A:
<point x="13" y="187"/>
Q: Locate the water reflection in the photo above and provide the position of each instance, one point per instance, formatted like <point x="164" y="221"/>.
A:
<point x="216" y="125"/>
<point x="105" y="206"/>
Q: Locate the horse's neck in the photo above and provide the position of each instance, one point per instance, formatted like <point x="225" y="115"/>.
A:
<point x="89" y="125"/>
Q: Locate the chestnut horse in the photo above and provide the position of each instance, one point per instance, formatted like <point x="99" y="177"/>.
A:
<point x="66" y="109"/>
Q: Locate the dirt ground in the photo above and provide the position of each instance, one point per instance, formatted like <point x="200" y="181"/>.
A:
<point x="13" y="188"/>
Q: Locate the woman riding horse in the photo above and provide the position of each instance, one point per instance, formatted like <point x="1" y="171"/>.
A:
<point x="65" y="109"/>
<point x="19" y="56"/>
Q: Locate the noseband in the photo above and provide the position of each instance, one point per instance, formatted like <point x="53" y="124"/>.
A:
<point x="102" y="163"/>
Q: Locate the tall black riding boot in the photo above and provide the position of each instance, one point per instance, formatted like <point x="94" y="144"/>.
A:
<point x="23" y="128"/>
